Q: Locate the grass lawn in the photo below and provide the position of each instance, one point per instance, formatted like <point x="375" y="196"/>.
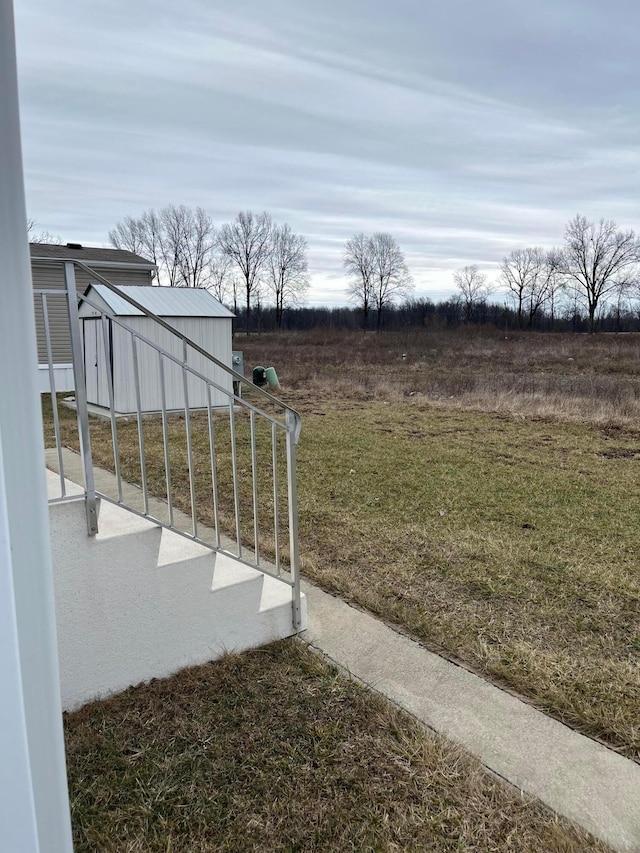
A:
<point x="506" y="539"/>
<point x="273" y="750"/>
<point x="510" y="544"/>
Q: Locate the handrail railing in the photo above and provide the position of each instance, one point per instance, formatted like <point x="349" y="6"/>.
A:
<point x="239" y="377"/>
<point x="244" y="454"/>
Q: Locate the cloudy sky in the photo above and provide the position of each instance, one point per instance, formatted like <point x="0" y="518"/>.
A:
<point x="464" y="128"/>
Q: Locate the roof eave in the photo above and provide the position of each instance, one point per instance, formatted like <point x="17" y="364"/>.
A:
<point x="124" y="265"/>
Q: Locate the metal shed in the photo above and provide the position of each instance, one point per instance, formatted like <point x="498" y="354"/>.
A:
<point x="195" y="313"/>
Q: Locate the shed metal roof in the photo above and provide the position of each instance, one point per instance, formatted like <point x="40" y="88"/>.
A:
<point x="163" y="301"/>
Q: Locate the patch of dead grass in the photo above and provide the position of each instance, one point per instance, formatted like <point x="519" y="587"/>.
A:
<point x="501" y="530"/>
<point x="273" y="750"/>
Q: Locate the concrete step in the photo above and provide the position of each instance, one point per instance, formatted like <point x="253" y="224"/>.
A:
<point x="138" y="602"/>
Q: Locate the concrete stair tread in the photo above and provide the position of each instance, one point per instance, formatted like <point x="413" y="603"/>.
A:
<point x="138" y="601"/>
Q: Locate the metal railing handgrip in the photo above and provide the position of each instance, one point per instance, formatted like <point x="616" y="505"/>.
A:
<point x="192" y="370"/>
<point x="82" y="411"/>
<point x="237" y="376"/>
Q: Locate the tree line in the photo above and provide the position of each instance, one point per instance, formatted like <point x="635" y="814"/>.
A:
<point x="443" y="315"/>
<point x="256" y="264"/>
<point x="251" y="258"/>
<point x="596" y="271"/>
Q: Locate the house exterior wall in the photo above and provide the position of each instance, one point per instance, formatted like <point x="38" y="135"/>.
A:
<point x="34" y="804"/>
<point x="50" y="276"/>
<point x="62" y="377"/>
<point x="212" y="334"/>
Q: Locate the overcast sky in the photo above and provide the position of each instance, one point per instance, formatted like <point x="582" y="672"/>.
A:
<point x="466" y="128"/>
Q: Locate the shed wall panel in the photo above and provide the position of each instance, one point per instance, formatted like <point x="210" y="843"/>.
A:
<point x="212" y="334"/>
<point x="95" y="362"/>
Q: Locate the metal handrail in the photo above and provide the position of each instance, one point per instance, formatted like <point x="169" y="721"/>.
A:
<point x="174" y="358"/>
<point x="290" y="425"/>
<point x="239" y="377"/>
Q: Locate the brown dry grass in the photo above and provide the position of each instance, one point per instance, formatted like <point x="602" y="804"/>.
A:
<point x="273" y="750"/>
<point x="582" y="378"/>
<point x="501" y="538"/>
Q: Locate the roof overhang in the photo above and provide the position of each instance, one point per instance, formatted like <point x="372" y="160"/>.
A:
<point x="128" y="265"/>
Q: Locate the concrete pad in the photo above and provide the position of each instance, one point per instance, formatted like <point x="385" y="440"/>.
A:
<point x="577" y="777"/>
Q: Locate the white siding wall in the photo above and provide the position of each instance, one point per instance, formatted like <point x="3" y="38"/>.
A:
<point x="212" y="334"/>
<point x="95" y="362"/>
<point x="62" y="376"/>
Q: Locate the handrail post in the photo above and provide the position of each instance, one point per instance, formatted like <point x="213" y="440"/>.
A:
<point x="82" y="410"/>
<point x="293" y="432"/>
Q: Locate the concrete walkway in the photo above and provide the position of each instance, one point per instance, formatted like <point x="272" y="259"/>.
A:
<point x="575" y="776"/>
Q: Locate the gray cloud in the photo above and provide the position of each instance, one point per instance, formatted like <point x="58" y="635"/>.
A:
<point x="464" y="129"/>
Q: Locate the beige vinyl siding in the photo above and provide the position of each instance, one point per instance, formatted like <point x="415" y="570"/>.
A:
<point x="115" y="276"/>
<point x="51" y="276"/>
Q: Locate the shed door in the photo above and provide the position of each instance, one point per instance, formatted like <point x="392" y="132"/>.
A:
<point x="95" y="361"/>
<point x="90" y="338"/>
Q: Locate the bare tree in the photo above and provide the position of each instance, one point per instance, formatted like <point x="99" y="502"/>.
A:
<point x="247" y="243"/>
<point x="145" y="235"/>
<point x="517" y="273"/>
<point x="473" y="288"/>
<point x="129" y="234"/>
<point x="198" y="241"/>
<point x="597" y="260"/>
<point x="41" y="236"/>
<point x="220" y="280"/>
<point x="390" y="279"/>
<point x="287" y="269"/>
<point x="357" y="262"/>
<point x="528" y="274"/>
<point x="173" y="225"/>
<point x="179" y="240"/>
<point x="557" y="286"/>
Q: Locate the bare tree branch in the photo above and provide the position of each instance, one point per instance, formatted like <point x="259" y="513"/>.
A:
<point x="41" y="236"/>
<point x="598" y="260"/>
<point x="287" y="269"/>
<point x="247" y="243"/>
<point x="179" y="240"/>
<point x="473" y="288"/>
<point x="357" y="263"/>
<point x="528" y="276"/>
<point x="390" y="279"/>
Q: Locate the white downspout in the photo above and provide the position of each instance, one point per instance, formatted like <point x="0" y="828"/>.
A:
<point x="34" y="806"/>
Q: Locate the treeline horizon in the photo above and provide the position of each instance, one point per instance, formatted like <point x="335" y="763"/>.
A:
<point x="444" y="314"/>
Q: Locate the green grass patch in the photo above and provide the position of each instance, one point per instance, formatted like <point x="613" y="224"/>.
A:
<point x="508" y="543"/>
<point x="505" y="540"/>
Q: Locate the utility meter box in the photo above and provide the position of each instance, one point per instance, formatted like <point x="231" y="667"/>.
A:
<point x="237" y="361"/>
